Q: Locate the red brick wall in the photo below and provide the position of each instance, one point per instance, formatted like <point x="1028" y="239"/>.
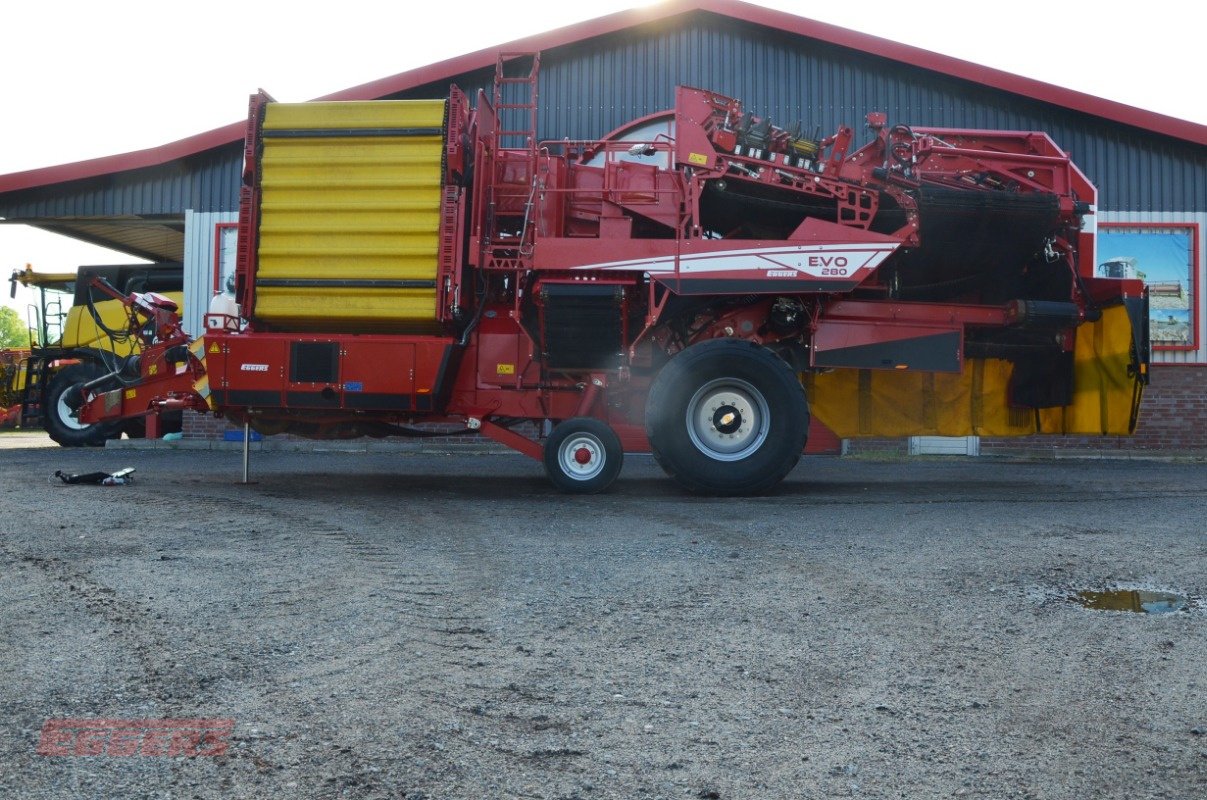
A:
<point x="878" y="447"/>
<point x="1173" y="419"/>
<point x="204" y="426"/>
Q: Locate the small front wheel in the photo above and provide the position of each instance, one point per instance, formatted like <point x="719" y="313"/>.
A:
<point x="583" y="456"/>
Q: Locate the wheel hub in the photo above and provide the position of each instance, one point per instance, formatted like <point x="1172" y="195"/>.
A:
<point x="582" y="456"/>
<point x="728" y="419"/>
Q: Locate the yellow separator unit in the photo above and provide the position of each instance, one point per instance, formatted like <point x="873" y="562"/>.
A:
<point x="1106" y="395"/>
<point x="350" y="215"/>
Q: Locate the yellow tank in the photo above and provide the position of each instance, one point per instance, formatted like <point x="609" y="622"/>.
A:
<point x="350" y="215"/>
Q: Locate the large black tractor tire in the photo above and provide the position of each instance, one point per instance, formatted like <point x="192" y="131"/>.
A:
<point x="727" y="417"/>
<point x="63" y="399"/>
<point x="583" y="456"/>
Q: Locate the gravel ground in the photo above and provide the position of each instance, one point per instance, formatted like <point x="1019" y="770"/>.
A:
<point x="446" y="626"/>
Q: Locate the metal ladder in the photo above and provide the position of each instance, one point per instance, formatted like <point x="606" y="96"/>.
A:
<point x="31" y="397"/>
<point x="515" y="104"/>
<point x="503" y="134"/>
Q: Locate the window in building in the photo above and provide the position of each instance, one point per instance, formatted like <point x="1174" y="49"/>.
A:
<point x="1165" y="257"/>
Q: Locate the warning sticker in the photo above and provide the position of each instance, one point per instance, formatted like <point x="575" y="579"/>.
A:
<point x="214" y="348"/>
<point x="131" y="394"/>
<point x="698" y="158"/>
<point x="505" y="369"/>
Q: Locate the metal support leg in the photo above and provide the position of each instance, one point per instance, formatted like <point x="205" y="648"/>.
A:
<point x="246" y="448"/>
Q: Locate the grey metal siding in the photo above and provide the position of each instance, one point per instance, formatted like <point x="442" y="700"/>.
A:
<point x="593" y="86"/>
<point x="208" y="180"/>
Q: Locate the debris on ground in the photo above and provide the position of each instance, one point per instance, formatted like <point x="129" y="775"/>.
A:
<point x="119" y="478"/>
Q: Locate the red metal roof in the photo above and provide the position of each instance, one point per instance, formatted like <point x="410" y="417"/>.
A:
<point x="997" y="79"/>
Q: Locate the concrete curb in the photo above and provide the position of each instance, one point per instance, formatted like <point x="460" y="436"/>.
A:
<point x="1039" y="456"/>
<point x="1050" y="454"/>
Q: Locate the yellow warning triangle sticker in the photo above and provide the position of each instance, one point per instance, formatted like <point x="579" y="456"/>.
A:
<point x="214" y="348"/>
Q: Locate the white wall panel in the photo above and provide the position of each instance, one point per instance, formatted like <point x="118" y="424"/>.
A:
<point x="199" y="259"/>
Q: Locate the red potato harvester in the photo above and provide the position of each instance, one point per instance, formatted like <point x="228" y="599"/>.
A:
<point x="696" y="283"/>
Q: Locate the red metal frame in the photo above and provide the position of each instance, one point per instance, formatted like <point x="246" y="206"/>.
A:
<point x="168" y="367"/>
<point x="1195" y="288"/>
<point x="249" y="206"/>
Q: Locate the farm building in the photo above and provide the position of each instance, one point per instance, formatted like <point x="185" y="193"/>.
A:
<point x="179" y="202"/>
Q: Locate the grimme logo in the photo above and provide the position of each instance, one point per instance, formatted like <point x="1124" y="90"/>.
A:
<point x="135" y="737"/>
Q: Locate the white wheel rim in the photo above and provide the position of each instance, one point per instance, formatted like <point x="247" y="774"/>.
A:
<point x="728" y="419"/>
<point x="581" y="456"/>
<point x="67" y="415"/>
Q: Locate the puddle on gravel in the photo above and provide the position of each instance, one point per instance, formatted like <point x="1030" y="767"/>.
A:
<point x="1138" y="601"/>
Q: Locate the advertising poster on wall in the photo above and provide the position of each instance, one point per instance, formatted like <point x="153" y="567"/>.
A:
<point x="1164" y="258"/>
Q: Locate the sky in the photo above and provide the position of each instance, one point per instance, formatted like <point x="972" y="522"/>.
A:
<point x="89" y="79"/>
